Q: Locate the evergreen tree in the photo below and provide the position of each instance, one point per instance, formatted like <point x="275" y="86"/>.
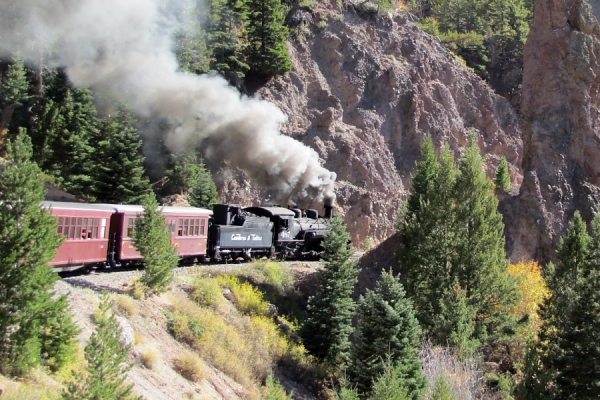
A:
<point x="223" y="36"/>
<point x="390" y="385"/>
<point x="13" y="92"/>
<point x="204" y="192"/>
<point x="118" y="174"/>
<point x="189" y="176"/>
<point x="387" y="334"/>
<point x="502" y="178"/>
<point x="455" y="240"/>
<point x="329" y="322"/>
<point x="567" y="352"/>
<point x="62" y="136"/>
<point x="481" y="260"/>
<point x="106" y="359"/>
<point x="267" y="53"/>
<point x="153" y="241"/>
<point x="34" y="326"/>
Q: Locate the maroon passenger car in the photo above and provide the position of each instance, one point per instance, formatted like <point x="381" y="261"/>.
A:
<point x="85" y="228"/>
<point x="100" y="234"/>
<point x="188" y="227"/>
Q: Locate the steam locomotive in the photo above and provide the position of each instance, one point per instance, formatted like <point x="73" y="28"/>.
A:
<point x="100" y="235"/>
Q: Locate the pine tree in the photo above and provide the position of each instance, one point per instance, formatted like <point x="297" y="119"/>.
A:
<point x="118" y="173"/>
<point x="106" y="359"/>
<point x="223" y="36"/>
<point x="387" y="334"/>
<point x="34" y="326"/>
<point x="481" y="263"/>
<point x="442" y="390"/>
<point x="153" y="241"/>
<point x="62" y="136"/>
<point x="455" y="237"/>
<point x="567" y="351"/>
<point x="329" y="323"/>
<point x="426" y="255"/>
<point x="390" y="385"/>
<point x="13" y="92"/>
<point x="204" y="191"/>
<point x="502" y="178"/>
<point x="267" y="53"/>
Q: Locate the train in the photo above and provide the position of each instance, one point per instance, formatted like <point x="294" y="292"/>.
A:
<point x="100" y="235"/>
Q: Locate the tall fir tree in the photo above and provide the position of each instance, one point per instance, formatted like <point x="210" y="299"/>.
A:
<point x="204" y="192"/>
<point x="153" y="241"/>
<point x="224" y="32"/>
<point x="502" y="177"/>
<point x="106" y="358"/>
<point x="35" y="326"/>
<point x="118" y="173"/>
<point x="566" y="357"/>
<point x="62" y="135"/>
<point x="328" y="326"/>
<point x="481" y="263"/>
<point x="455" y="239"/>
<point x="13" y="93"/>
<point x="267" y="53"/>
<point x="387" y="339"/>
<point x="189" y="176"/>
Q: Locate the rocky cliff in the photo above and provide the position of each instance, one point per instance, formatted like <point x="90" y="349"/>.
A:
<point x="560" y="124"/>
<point x="364" y="92"/>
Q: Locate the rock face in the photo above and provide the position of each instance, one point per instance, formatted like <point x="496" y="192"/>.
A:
<point x="364" y="92"/>
<point x="560" y="123"/>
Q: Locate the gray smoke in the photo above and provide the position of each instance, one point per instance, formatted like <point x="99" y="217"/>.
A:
<point x="125" y="46"/>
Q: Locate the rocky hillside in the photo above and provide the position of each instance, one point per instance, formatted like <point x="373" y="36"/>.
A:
<point x="560" y="123"/>
<point x="364" y="92"/>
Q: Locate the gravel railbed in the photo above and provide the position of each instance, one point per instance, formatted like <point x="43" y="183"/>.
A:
<point x="120" y="279"/>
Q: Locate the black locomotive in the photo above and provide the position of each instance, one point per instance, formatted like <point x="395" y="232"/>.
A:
<point x="267" y="231"/>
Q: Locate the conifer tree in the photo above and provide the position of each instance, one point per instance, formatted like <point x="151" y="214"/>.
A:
<point x="13" y="92"/>
<point x="63" y="133"/>
<point x="390" y="384"/>
<point x="456" y="238"/>
<point x="34" y="326"/>
<point x="106" y="358"/>
<point x="387" y="334"/>
<point x="118" y="173"/>
<point x="502" y="178"/>
<point x="329" y="323"/>
<point x="481" y="263"/>
<point x="267" y="53"/>
<point x="153" y="241"/>
<point x="442" y="390"/>
<point x="204" y="192"/>
<point x="566" y="358"/>
<point x="223" y="36"/>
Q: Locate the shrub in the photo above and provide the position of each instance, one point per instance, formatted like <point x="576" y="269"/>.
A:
<point x="274" y="274"/>
<point x="191" y="367"/>
<point x="150" y="359"/>
<point x="273" y="390"/>
<point x="207" y="292"/>
<point x="533" y="289"/>
<point x="248" y="298"/>
<point x="126" y="303"/>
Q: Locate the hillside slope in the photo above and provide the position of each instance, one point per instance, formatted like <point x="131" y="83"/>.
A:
<point x="364" y="92"/>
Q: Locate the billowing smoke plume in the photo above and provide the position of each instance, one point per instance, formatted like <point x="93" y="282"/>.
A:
<point x="125" y="46"/>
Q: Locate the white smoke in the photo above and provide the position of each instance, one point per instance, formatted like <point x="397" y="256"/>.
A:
<point x="125" y="46"/>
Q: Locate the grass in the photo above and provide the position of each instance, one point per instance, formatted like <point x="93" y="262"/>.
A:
<point x="243" y="341"/>
<point x="191" y="367"/>
<point x="35" y="386"/>
<point x="150" y="359"/>
<point x="126" y="304"/>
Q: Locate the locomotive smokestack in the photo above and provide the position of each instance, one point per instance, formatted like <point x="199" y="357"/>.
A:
<point x="124" y="48"/>
<point x="328" y="211"/>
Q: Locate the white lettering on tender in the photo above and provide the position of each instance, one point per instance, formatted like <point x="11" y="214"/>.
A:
<point x="250" y="237"/>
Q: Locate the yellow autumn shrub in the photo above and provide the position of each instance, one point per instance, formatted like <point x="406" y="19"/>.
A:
<point x="533" y="288"/>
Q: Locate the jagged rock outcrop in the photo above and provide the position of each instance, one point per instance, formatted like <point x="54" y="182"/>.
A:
<point x="364" y="92"/>
<point x="560" y="121"/>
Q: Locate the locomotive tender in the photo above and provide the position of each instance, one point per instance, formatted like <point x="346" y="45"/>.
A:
<point x="100" y="235"/>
